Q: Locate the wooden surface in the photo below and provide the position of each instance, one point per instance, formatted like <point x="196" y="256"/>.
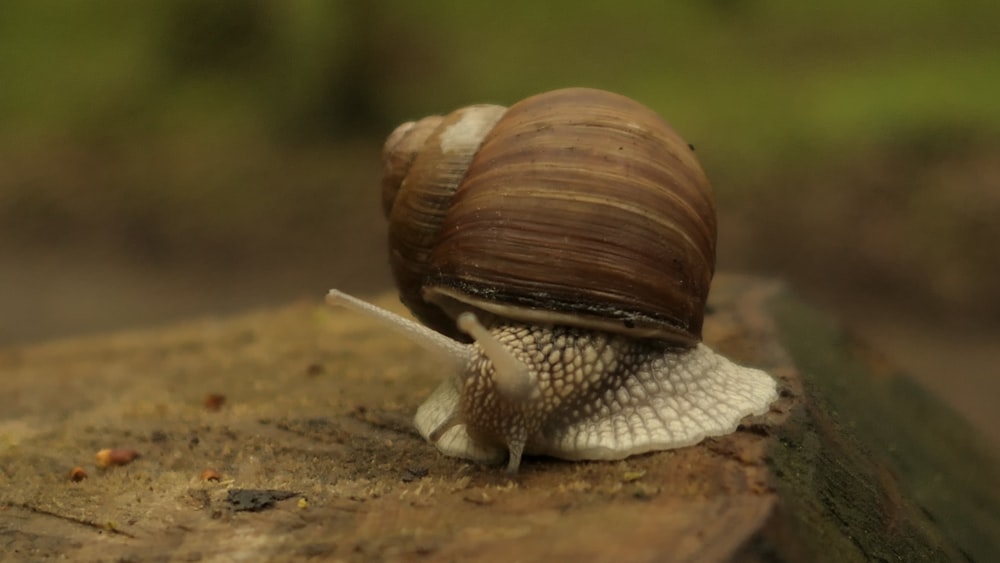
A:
<point x="853" y="463"/>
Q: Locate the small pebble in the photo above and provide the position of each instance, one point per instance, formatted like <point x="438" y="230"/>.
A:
<point x="414" y="473"/>
<point x="214" y="401"/>
<point x="118" y="456"/>
<point x="633" y="475"/>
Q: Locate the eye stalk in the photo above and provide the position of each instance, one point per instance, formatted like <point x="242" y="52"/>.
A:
<point x="511" y="376"/>
<point x="456" y="353"/>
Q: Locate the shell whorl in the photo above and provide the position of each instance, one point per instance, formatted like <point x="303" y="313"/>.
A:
<point x="424" y="163"/>
<point x="579" y="207"/>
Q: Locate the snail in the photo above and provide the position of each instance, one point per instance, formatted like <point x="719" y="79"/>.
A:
<point x="559" y="255"/>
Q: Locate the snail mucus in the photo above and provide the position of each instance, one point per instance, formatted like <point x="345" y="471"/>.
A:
<point x="559" y="255"/>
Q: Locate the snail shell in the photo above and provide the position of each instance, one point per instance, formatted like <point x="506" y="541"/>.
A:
<point x="581" y="230"/>
<point x="576" y="207"/>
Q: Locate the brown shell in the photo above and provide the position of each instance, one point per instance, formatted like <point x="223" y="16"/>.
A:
<point x="424" y="162"/>
<point x="580" y="207"/>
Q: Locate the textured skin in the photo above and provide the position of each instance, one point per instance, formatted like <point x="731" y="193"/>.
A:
<point x="597" y="396"/>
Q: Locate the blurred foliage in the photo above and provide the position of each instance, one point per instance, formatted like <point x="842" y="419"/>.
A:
<point x="754" y="80"/>
<point x="235" y="129"/>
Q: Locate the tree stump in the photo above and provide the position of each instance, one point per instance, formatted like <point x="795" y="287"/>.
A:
<point x="287" y="435"/>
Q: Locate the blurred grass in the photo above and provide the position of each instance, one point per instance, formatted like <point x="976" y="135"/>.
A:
<point x="848" y="137"/>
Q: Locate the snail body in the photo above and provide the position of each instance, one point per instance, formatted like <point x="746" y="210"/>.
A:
<point x="571" y="238"/>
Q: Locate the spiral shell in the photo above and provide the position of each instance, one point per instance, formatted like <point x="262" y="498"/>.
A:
<point x="574" y="207"/>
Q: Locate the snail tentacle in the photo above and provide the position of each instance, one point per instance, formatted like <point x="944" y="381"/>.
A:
<point x="455" y="352"/>
<point x="511" y="377"/>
